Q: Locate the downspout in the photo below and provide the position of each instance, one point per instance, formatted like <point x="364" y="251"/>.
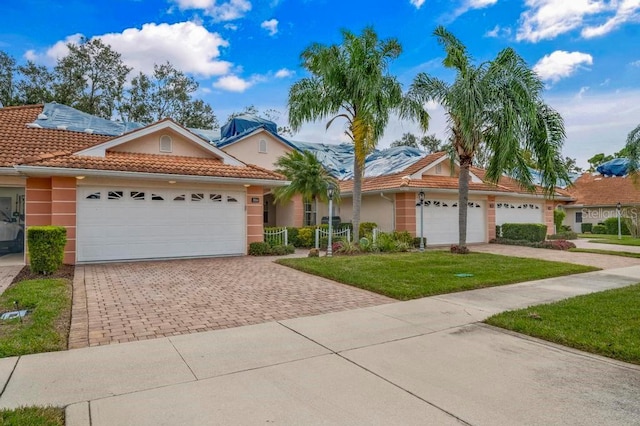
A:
<point x="393" y="210"/>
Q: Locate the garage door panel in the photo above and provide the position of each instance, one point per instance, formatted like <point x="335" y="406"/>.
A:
<point x="440" y="221"/>
<point x="182" y="224"/>
<point x="519" y="212"/>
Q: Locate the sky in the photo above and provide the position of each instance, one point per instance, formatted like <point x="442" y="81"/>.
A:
<point x="247" y="52"/>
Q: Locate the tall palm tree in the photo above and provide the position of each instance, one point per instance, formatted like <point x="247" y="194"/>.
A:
<point x="308" y="177"/>
<point x="495" y="107"/>
<point x="632" y="149"/>
<point x="351" y="81"/>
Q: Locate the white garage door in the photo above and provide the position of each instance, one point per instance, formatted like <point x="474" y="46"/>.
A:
<point x="140" y="223"/>
<point x="518" y="212"/>
<point x="441" y="221"/>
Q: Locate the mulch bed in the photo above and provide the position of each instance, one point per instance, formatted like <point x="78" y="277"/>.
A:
<point x="66" y="271"/>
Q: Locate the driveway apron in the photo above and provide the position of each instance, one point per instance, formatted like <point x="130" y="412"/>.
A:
<point x="143" y="300"/>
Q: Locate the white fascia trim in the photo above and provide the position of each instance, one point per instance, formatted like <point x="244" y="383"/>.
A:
<point x="9" y="171"/>
<point x="455" y="191"/>
<point x="100" y="150"/>
<point x="419" y="173"/>
<point x="60" y="171"/>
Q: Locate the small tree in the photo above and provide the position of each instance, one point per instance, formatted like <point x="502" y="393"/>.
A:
<point x="308" y="177"/>
<point x="558" y="218"/>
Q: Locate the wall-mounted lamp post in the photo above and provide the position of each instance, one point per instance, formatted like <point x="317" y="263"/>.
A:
<point x="618" y="210"/>
<point x="421" y="195"/>
<point x="330" y="194"/>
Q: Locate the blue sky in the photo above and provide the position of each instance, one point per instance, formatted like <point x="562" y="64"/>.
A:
<point x="246" y="52"/>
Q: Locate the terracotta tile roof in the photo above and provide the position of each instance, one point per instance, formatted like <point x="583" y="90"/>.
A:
<point x="423" y="162"/>
<point x="18" y="142"/>
<point x="155" y="163"/>
<point x="596" y="190"/>
<point x="22" y="145"/>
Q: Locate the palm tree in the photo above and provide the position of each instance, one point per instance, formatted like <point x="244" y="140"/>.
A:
<point x="308" y="177"/>
<point x="350" y="81"/>
<point x="495" y="107"/>
<point x="632" y="150"/>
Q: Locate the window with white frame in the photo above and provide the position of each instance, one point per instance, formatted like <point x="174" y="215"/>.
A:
<point x="262" y="146"/>
<point x="166" y="143"/>
<point x="309" y="213"/>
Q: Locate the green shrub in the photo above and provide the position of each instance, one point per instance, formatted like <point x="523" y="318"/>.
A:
<point x="306" y="237"/>
<point x="498" y="231"/>
<point x="259" y="249"/>
<point x="558" y="218"/>
<point x="366" y="228"/>
<point x="46" y="248"/>
<point x="346" y="225"/>
<point x="292" y="235"/>
<point x="599" y="229"/>
<point x="566" y="235"/>
<point x="586" y="227"/>
<point x="612" y="226"/>
<point x="404" y="237"/>
<point x="533" y="232"/>
<point x="554" y="245"/>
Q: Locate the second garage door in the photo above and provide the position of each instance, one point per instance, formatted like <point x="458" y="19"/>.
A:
<point x="441" y="221"/>
<point x="518" y="212"/>
<point x="140" y="223"/>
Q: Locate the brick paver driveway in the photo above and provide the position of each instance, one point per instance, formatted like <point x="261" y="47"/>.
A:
<point x="142" y="300"/>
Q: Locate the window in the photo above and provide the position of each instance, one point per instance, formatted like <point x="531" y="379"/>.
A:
<point x="262" y="146"/>
<point x="94" y="196"/>
<point x="578" y="217"/>
<point x="166" y="143"/>
<point x="197" y="197"/>
<point x="115" y="195"/>
<point x="181" y="197"/>
<point x="438" y="169"/>
<point x="156" y="197"/>
<point x="216" y="198"/>
<point x="265" y="212"/>
<point x="137" y="195"/>
<point x="309" y="214"/>
<point x="231" y="199"/>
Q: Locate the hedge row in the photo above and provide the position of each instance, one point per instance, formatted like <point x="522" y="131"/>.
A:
<point x="46" y="248"/>
<point x="532" y="232"/>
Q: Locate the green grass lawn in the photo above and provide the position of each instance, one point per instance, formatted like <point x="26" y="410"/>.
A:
<point x="609" y="252"/>
<point x="605" y="323"/>
<point x="32" y="416"/>
<point x="412" y="275"/>
<point x="46" y="328"/>
<point x="626" y="240"/>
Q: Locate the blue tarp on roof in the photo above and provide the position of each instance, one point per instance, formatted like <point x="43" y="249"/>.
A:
<point x="244" y="123"/>
<point x="58" y="116"/>
<point x="615" y="167"/>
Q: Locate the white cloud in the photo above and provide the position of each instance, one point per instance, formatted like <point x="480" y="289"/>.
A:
<point x="231" y="27"/>
<point x="561" y="64"/>
<point x="547" y="19"/>
<point x="628" y="10"/>
<point x="225" y="11"/>
<point x="188" y="46"/>
<point x="468" y="5"/>
<point x="52" y="54"/>
<point x="498" y="31"/>
<point x="635" y="63"/>
<point x="582" y="91"/>
<point x="233" y="83"/>
<point x="417" y="3"/>
<point x="284" y="73"/>
<point x="271" y="25"/>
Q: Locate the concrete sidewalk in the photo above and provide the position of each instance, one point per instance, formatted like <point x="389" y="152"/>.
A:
<point x="426" y="361"/>
<point x="587" y="244"/>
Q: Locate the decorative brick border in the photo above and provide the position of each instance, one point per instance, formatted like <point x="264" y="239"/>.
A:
<point x="79" y="331"/>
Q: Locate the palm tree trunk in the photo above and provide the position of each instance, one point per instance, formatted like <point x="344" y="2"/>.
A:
<point x="357" y="198"/>
<point x="463" y="200"/>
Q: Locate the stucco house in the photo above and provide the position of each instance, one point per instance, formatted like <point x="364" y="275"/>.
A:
<point x="595" y="199"/>
<point x="154" y="192"/>
<point x="127" y="191"/>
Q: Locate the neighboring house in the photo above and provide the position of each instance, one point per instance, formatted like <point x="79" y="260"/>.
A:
<point x="596" y="198"/>
<point x="158" y="191"/>
<point x="392" y="201"/>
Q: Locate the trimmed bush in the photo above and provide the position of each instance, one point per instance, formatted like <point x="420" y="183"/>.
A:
<point x="259" y="249"/>
<point x="498" y="231"/>
<point x="563" y="236"/>
<point x="366" y="228"/>
<point x="612" y="226"/>
<point x="534" y="232"/>
<point x="306" y="237"/>
<point x="46" y="248"/>
<point x="599" y="229"/>
<point x="416" y="242"/>
<point x="553" y="245"/>
<point x="586" y="227"/>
